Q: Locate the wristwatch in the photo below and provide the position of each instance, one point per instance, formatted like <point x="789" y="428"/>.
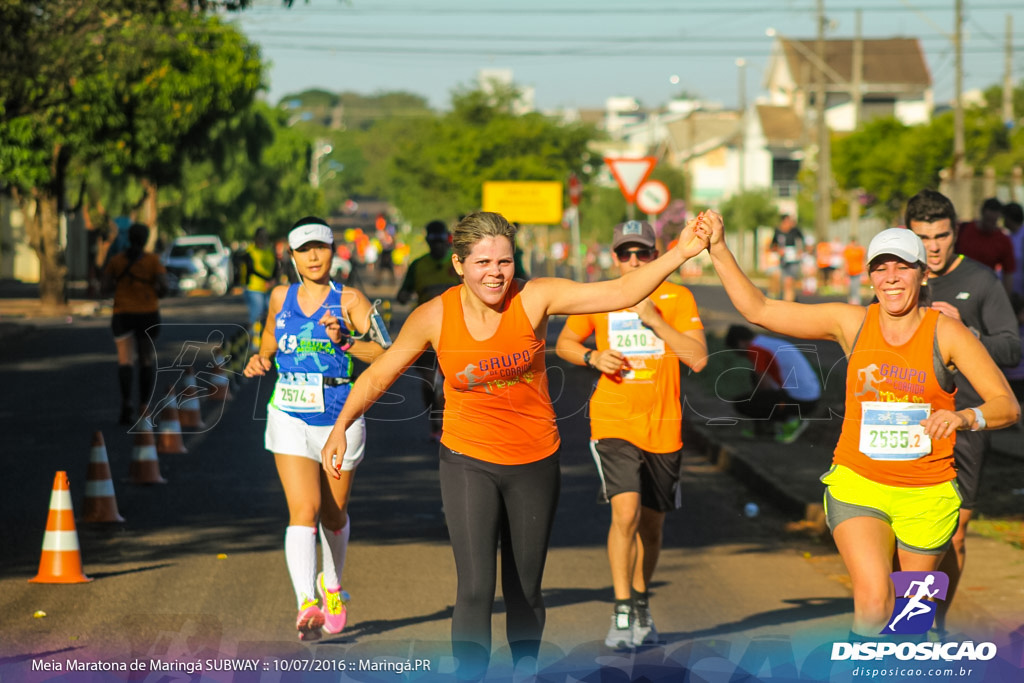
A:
<point x="586" y="357"/>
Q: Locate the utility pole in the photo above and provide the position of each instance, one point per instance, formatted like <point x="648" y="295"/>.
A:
<point x="958" y="107"/>
<point x="856" y="91"/>
<point x="742" y="66"/>
<point x="1008" y="75"/>
<point x="823" y="205"/>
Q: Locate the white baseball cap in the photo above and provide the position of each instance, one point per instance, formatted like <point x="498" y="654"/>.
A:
<point x="899" y="242"/>
<point x="310" y="232"/>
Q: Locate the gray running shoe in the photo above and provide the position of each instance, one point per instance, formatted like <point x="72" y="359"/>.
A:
<point x="621" y="633"/>
<point x="644" y="632"/>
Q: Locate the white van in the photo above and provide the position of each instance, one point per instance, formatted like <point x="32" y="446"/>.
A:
<point x="199" y="262"/>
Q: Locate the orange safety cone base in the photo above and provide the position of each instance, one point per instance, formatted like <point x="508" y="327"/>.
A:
<point x="54" y="567"/>
<point x="146" y="472"/>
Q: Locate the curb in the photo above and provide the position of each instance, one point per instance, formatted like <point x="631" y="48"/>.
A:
<point x="758" y="479"/>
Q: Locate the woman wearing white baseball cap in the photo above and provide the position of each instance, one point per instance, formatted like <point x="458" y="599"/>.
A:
<point x="892" y="484"/>
<point x="313" y="330"/>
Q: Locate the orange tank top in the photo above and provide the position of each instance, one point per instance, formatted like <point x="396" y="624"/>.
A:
<point x="497" y="406"/>
<point x="878" y="371"/>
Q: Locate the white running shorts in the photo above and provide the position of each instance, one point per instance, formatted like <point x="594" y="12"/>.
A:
<point x="289" y="435"/>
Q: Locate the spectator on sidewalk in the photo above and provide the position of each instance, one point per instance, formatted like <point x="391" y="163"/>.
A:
<point x="853" y="256"/>
<point x="636" y="422"/>
<point x="138" y="280"/>
<point x="898" y="493"/>
<point x="1015" y="375"/>
<point x="985" y="242"/>
<point x="964" y="290"/>
<point x="784" y="390"/>
<point x="1013" y="220"/>
<point x="259" y="272"/>
<point x="790" y="245"/>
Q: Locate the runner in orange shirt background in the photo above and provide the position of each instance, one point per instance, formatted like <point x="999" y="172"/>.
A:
<point x="636" y="421"/>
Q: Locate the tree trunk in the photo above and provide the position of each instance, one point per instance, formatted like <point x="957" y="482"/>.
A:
<point x="53" y="268"/>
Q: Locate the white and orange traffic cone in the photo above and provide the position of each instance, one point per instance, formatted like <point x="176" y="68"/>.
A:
<point x="145" y="466"/>
<point x="189" y="412"/>
<point x="61" y="561"/>
<point x="100" y="504"/>
<point x="169" y="440"/>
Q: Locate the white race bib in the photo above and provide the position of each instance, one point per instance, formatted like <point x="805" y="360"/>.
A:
<point x="629" y="336"/>
<point x="299" y="392"/>
<point x="892" y="430"/>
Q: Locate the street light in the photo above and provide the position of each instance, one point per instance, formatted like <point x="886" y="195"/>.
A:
<point x="321" y="148"/>
<point x="741" y="64"/>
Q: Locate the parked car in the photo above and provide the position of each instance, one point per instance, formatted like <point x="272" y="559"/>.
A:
<point x="198" y="262"/>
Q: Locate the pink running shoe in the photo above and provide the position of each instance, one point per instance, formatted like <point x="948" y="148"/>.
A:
<point x="335" y="606"/>
<point x="310" y="621"/>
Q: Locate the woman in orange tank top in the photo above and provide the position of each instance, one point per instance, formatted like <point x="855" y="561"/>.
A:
<point x="499" y="443"/>
<point x="899" y="354"/>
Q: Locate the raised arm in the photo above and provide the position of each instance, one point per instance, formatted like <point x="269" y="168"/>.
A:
<point x="420" y="330"/>
<point x="835" y="321"/>
<point x="557" y="296"/>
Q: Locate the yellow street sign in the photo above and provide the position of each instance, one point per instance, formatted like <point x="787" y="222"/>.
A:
<point x="531" y="202"/>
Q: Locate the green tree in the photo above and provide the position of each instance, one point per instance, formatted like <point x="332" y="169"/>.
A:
<point x="749" y="210"/>
<point x="126" y="87"/>
<point x="439" y="168"/>
<point x="891" y="161"/>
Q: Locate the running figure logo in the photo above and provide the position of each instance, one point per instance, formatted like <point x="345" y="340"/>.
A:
<point x="915" y="611"/>
<point x="867" y="376"/>
<point x="470" y="378"/>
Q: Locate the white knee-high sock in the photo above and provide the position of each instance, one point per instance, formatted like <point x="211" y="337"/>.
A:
<point x="335" y="544"/>
<point x="300" y="555"/>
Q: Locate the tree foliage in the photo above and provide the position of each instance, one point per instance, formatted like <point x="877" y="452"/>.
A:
<point x="891" y="161"/>
<point x="749" y="210"/>
<point x="118" y="88"/>
<point x="438" y="168"/>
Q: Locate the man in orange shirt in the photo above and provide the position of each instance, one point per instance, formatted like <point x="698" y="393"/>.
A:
<point x="636" y="422"/>
<point x="854" y="257"/>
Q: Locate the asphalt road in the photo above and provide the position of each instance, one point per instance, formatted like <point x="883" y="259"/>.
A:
<point x="197" y="571"/>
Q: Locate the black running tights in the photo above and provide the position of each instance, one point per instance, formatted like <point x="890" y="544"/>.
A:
<point x="485" y="502"/>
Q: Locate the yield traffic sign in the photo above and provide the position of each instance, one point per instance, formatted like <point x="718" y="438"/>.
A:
<point x="630" y="173"/>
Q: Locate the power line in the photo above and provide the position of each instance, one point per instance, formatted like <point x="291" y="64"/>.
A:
<point x="591" y="51"/>
<point x="590" y="9"/>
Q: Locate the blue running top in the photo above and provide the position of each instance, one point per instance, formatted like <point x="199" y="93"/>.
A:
<point x="303" y="346"/>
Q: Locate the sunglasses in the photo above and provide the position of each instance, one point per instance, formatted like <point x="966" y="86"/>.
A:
<point x="642" y="255"/>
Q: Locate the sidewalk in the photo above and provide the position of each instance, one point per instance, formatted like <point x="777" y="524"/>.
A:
<point x="991" y="592"/>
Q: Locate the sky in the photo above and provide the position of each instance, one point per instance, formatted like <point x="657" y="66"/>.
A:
<point x="577" y="53"/>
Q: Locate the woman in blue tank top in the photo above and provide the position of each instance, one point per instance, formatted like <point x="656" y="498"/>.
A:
<point x="313" y="330"/>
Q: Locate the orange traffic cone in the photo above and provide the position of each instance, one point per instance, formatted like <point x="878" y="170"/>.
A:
<point x="219" y="379"/>
<point x="145" y="467"/>
<point x="100" y="504"/>
<point x="61" y="561"/>
<point x="188" y="407"/>
<point x="168" y="438"/>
